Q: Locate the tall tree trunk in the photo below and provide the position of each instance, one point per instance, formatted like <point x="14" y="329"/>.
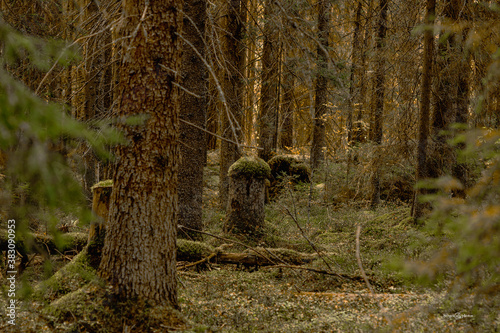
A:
<point x="212" y="117"/>
<point x="321" y="88"/>
<point x="443" y="98"/>
<point x="138" y="257"/>
<point x="459" y="170"/>
<point x="232" y="85"/>
<point x="269" y="90"/>
<point x="355" y="79"/>
<point x="212" y="121"/>
<point x="193" y="110"/>
<point x="287" y="106"/>
<point x="251" y="78"/>
<point x="379" y="93"/>
<point x="425" y="103"/>
<point x="360" y="130"/>
<point x="97" y="89"/>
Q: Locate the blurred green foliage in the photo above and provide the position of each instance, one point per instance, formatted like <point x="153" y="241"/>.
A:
<point x="37" y="137"/>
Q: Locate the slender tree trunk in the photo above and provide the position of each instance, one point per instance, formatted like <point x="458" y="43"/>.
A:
<point x="321" y="88"/>
<point x="232" y="85"/>
<point x="97" y="82"/>
<point x="287" y="107"/>
<point x="193" y="110"/>
<point x="269" y="90"/>
<point x="353" y="87"/>
<point x="213" y="117"/>
<point x="425" y="103"/>
<point x="360" y="131"/>
<point x="212" y="122"/>
<point x="138" y="257"/>
<point x="355" y="79"/>
<point x="251" y="67"/>
<point x="379" y="93"/>
<point x="460" y="170"/>
<point x="443" y="99"/>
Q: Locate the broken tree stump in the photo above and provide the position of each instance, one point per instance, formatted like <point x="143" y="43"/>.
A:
<point x="101" y="195"/>
<point x="247" y="192"/>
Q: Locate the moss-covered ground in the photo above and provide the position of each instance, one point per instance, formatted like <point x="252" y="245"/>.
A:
<point x="328" y="294"/>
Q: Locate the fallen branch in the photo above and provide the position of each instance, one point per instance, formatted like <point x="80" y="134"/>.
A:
<point x="309" y="241"/>
<point x="355" y="295"/>
<point x="358" y="258"/>
<point x="198" y="262"/>
<point x="360" y="264"/>
<point x="227" y="240"/>
<point x="320" y="271"/>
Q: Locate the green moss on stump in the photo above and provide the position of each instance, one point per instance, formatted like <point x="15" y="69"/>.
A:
<point x="250" y="167"/>
<point x="104" y="183"/>
<point x="289" y="166"/>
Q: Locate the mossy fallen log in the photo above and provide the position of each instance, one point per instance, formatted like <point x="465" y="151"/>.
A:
<point x="47" y="244"/>
<point x="192" y="251"/>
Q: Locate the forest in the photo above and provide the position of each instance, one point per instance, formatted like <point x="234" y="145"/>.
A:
<point x="250" y="166"/>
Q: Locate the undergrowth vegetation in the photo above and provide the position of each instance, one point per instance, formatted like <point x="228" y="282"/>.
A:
<point x="440" y="274"/>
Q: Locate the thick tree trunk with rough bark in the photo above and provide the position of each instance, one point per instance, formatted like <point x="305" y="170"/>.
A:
<point x="321" y="88"/>
<point x="193" y="110"/>
<point x="232" y="85"/>
<point x="425" y="103"/>
<point x="138" y="257"/>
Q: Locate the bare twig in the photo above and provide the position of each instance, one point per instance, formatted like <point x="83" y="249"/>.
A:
<point x="309" y="241"/>
<point x="198" y="262"/>
<point x="216" y="135"/>
<point x="358" y="258"/>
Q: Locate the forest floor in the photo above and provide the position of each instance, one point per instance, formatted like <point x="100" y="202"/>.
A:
<point x="326" y="295"/>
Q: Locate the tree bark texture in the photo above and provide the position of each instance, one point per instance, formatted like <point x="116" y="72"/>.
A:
<point x="193" y="110"/>
<point x="138" y="257"/>
<point x="233" y="88"/>
<point x="321" y="87"/>
<point x="269" y="90"/>
<point x="379" y="93"/>
<point x="425" y="103"/>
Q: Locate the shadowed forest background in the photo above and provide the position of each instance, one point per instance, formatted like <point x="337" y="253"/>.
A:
<point x="250" y="165"/>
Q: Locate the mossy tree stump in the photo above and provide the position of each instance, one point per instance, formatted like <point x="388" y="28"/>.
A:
<point x="101" y="194"/>
<point x="287" y="166"/>
<point x="247" y="188"/>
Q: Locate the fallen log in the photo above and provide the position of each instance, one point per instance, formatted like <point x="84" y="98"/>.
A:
<point x="47" y="244"/>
